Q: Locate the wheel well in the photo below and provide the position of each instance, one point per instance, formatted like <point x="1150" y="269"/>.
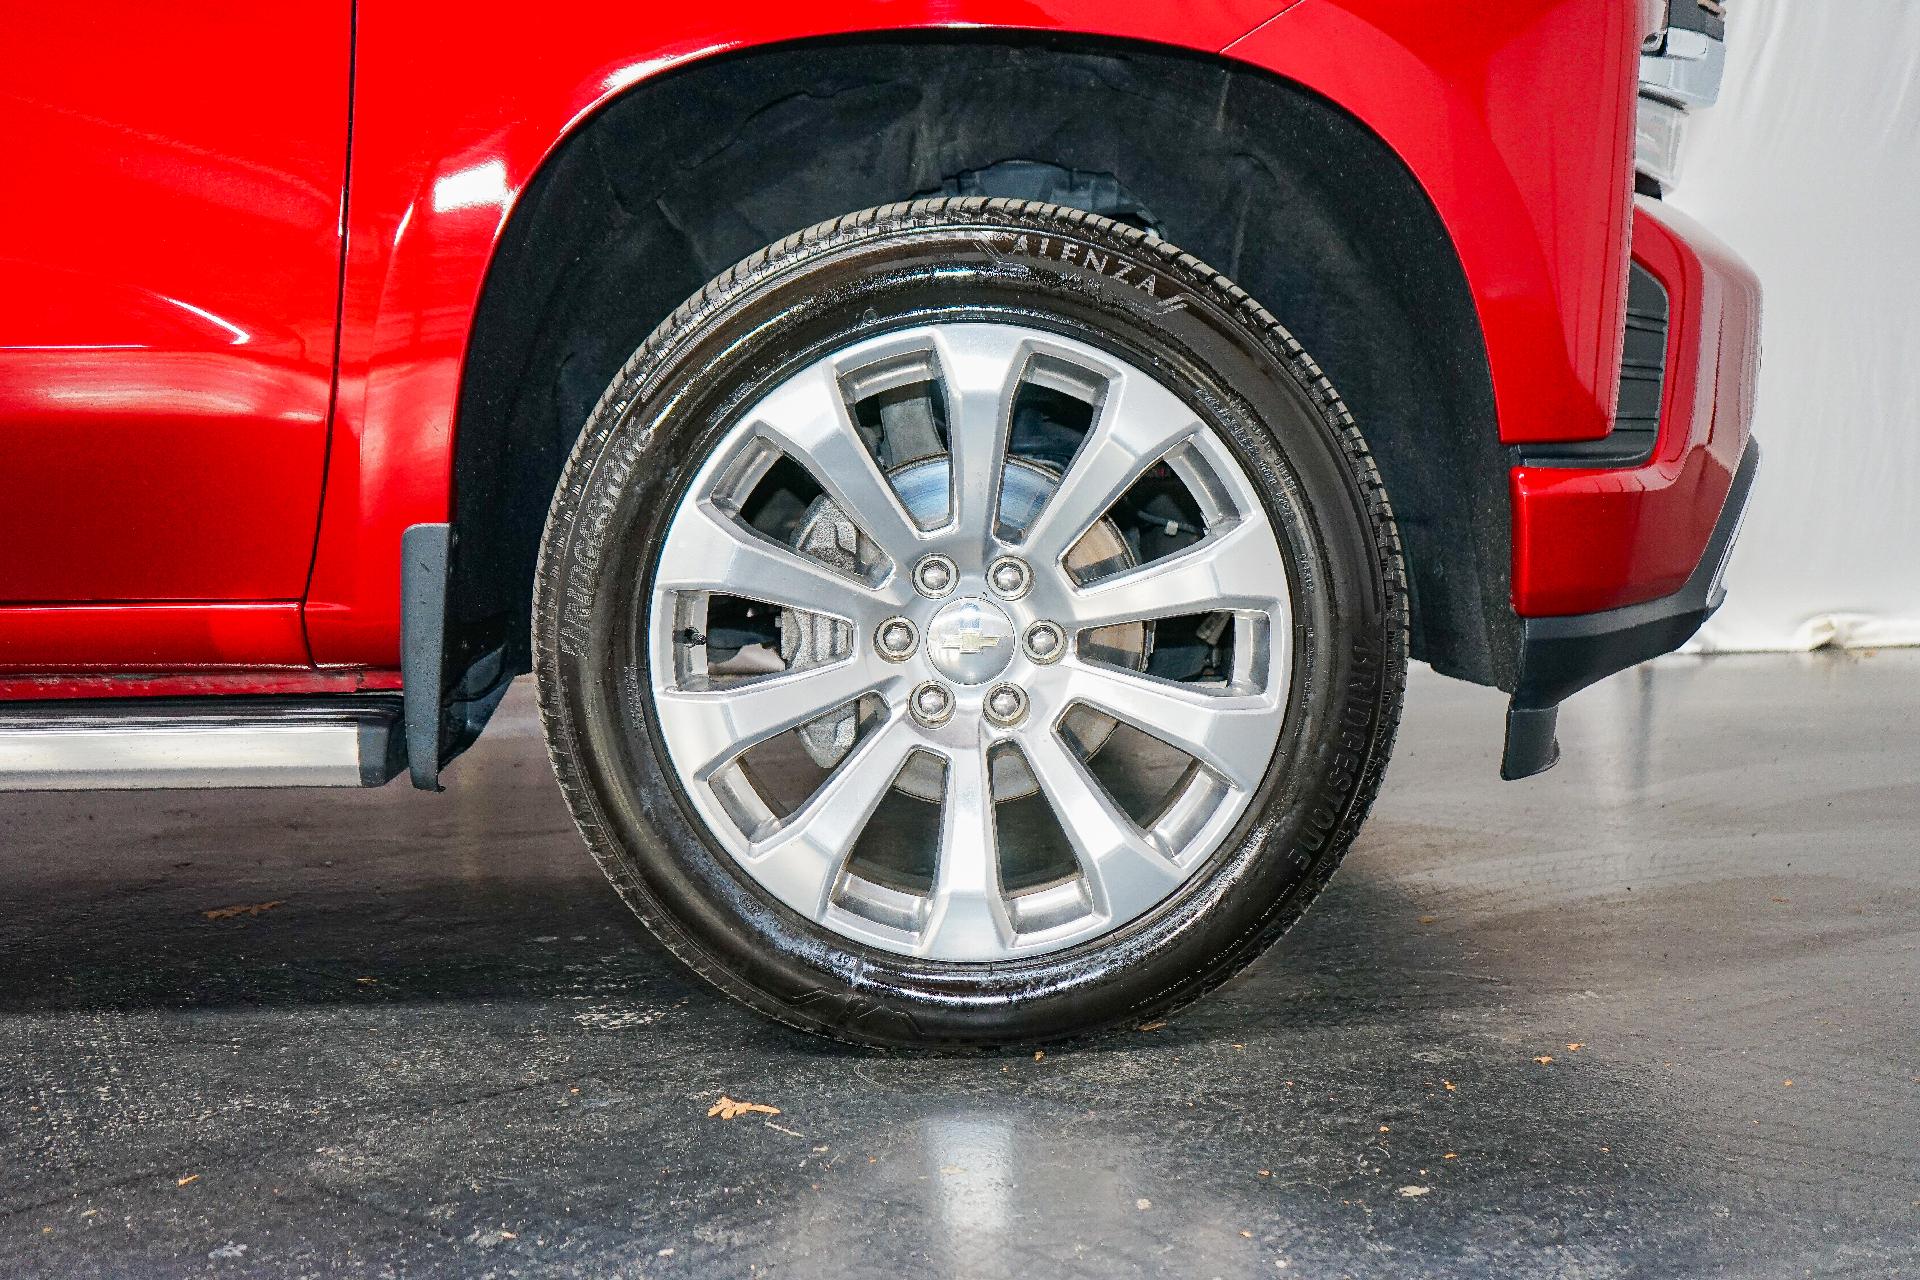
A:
<point x="1284" y="193"/>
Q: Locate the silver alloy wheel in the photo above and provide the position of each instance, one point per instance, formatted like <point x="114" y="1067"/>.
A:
<point x="854" y="706"/>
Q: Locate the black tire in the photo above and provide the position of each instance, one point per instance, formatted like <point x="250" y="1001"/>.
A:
<point x="969" y="259"/>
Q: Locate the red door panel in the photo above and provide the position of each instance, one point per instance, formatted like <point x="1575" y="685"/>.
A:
<point x="170" y="222"/>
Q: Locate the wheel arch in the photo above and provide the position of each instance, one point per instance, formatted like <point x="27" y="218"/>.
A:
<point x="681" y="175"/>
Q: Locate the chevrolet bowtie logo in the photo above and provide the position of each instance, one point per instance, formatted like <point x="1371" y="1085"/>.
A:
<point x="971" y="640"/>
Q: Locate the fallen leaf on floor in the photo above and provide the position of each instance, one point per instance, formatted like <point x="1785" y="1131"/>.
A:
<point x="1266" y="1173"/>
<point x="243" y="909"/>
<point x="1246" y="1235"/>
<point x="1038" y="1054"/>
<point x="1786" y="1084"/>
<point x="1410" y="1192"/>
<point x="1449" y="1156"/>
<point x="729" y="1109"/>
<point x="1153" y="1026"/>
<point x="192" y="1177"/>
<point x="1544" y="1058"/>
<point x="1428" y="919"/>
<point x="1575" y="1046"/>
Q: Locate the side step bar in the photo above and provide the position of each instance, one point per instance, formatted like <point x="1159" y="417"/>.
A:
<point x="149" y="744"/>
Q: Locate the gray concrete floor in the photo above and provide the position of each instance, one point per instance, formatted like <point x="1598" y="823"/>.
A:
<point x="1653" y="1014"/>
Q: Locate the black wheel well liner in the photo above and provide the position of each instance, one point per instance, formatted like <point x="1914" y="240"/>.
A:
<point x="1270" y="184"/>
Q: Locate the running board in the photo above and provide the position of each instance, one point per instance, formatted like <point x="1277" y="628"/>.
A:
<point x="152" y="744"/>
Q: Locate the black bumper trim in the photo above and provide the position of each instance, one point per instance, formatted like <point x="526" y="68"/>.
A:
<point x="1643" y="375"/>
<point x="1561" y="656"/>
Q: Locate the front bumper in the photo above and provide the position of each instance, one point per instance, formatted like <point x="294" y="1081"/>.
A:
<point x="1560" y="656"/>
<point x="1615" y="565"/>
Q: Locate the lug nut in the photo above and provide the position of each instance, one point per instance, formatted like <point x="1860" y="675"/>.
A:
<point x="1010" y="577"/>
<point x="932" y="704"/>
<point x="1006" y="704"/>
<point x="1043" y="642"/>
<point x="896" y="639"/>
<point x="935" y="575"/>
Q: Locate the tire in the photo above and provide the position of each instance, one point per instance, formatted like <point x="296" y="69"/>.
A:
<point x="646" y="666"/>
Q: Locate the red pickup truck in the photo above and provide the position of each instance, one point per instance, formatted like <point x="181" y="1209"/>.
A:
<point x="966" y="475"/>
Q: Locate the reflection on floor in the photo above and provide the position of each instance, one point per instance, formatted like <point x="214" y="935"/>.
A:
<point x="1653" y="1013"/>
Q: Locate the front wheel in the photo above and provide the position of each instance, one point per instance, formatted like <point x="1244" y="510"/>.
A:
<point x="969" y="621"/>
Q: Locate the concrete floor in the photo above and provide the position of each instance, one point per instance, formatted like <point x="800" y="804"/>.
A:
<point x="1653" y="1014"/>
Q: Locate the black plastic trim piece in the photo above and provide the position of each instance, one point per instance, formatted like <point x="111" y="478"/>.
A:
<point x="1561" y="656"/>
<point x="1531" y="745"/>
<point x="471" y="704"/>
<point x="443" y="716"/>
<point x="383" y="752"/>
<point x="425" y="552"/>
<point x="1643" y="373"/>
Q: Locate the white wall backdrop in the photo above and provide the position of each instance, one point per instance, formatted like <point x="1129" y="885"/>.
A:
<point x="1810" y="168"/>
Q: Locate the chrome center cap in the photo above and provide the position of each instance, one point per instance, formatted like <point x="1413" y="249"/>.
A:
<point x="970" y="641"/>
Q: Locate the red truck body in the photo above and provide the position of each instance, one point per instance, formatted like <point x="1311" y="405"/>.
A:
<point x="247" y="245"/>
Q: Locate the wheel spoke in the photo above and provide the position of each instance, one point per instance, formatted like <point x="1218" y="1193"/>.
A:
<point x="980" y="369"/>
<point x="1139" y="423"/>
<point x="800" y="860"/>
<point x="1125" y="873"/>
<point x="707" y="550"/>
<point x="967" y="917"/>
<point x="1231" y="734"/>
<point x="808" y="417"/>
<point x="1238" y="568"/>
<point x="711" y="726"/>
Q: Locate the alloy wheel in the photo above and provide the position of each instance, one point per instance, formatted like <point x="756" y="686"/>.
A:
<point x="970" y="642"/>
